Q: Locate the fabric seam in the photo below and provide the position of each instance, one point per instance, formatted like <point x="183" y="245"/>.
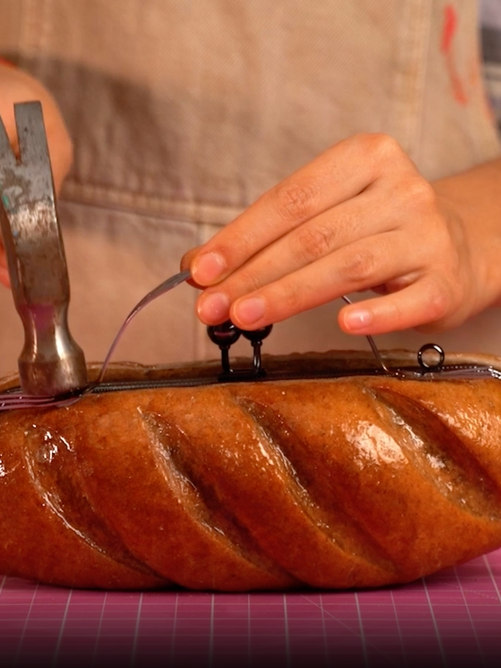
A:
<point x="149" y="205"/>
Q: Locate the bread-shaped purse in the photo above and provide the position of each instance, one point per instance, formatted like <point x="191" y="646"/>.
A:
<point x="324" y="476"/>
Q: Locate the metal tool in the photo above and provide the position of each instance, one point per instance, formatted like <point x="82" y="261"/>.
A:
<point x="51" y="363"/>
<point x="16" y="399"/>
<point x="165" y="286"/>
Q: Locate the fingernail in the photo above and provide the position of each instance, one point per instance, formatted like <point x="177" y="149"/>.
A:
<point x="249" y="311"/>
<point x="208" y="268"/>
<point x="358" y="319"/>
<point x="214" y="308"/>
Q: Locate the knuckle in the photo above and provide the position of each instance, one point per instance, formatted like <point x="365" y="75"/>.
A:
<point x="420" y="193"/>
<point x="359" y="267"/>
<point x="314" y="242"/>
<point x="440" y="301"/>
<point x="291" y="300"/>
<point x="248" y="280"/>
<point x="296" y="199"/>
<point x="381" y="145"/>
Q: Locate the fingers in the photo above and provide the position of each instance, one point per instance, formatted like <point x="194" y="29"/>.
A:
<point x="424" y="301"/>
<point x="185" y="265"/>
<point x="307" y="243"/>
<point x="358" y="266"/>
<point x="365" y="244"/>
<point x="359" y="217"/>
<point x="338" y="175"/>
<point x="341" y="272"/>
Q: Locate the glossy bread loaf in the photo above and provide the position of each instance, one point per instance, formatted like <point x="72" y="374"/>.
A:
<point x="332" y="483"/>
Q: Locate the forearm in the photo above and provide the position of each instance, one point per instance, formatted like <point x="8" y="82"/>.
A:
<point x="475" y="195"/>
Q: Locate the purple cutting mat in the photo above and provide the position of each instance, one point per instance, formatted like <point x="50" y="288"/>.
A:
<point x="450" y="619"/>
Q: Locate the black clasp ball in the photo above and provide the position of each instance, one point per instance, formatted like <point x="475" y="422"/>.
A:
<point x="225" y="335"/>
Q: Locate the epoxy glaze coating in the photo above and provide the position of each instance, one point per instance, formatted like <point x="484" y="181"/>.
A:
<point x="352" y="482"/>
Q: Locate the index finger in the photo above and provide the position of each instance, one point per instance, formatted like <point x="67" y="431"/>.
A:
<point x="338" y="174"/>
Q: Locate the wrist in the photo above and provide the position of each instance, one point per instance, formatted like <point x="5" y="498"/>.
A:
<point x="472" y="202"/>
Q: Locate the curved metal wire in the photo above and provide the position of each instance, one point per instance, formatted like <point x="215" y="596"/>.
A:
<point x="17" y="400"/>
<point x="372" y="343"/>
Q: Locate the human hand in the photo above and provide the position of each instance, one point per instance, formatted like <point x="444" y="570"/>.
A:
<point x="358" y="217"/>
<point x="18" y="86"/>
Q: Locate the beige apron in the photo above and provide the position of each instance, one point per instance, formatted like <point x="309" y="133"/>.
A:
<point x="183" y="113"/>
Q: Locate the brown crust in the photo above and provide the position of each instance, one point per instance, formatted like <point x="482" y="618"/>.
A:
<point x="348" y="482"/>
